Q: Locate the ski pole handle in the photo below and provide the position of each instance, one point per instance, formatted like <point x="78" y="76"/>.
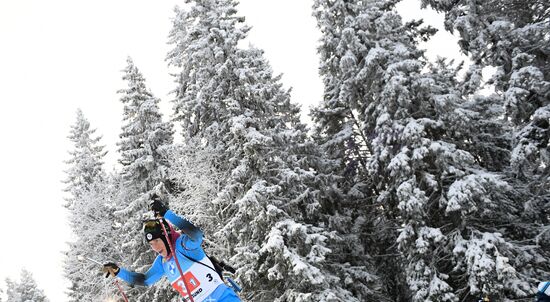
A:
<point x="234" y="285"/>
<point x="81" y="258"/>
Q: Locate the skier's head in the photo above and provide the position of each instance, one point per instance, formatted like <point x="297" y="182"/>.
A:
<point x="154" y="234"/>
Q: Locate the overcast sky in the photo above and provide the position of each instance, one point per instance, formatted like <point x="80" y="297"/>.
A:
<point x="60" y="55"/>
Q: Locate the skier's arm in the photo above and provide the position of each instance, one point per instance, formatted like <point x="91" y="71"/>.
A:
<point x="194" y="234"/>
<point x="149" y="278"/>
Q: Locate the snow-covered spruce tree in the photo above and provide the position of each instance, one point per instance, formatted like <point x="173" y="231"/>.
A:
<point x="193" y="170"/>
<point x="94" y="224"/>
<point x="514" y="38"/>
<point x="144" y="135"/>
<point x="11" y="291"/>
<point x="339" y="130"/>
<point x="88" y="213"/>
<point x="478" y="124"/>
<point x="448" y="207"/>
<point x="228" y="99"/>
<point x="25" y="290"/>
<point x="86" y="159"/>
<point x="143" y="144"/>
<point x="205" y="54"/>
<point x="275" y="221"/>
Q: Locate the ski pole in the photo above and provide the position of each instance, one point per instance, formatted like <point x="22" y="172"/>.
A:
<point x="121" y="290"/>
<point x="115" y="281"/>
<point x="168" y="239"/>
<point x="90" y="259"/>
<point x="523" y="298"/>
<point x="234" y="284"/>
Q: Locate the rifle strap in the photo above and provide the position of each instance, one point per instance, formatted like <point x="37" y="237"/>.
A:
<point x="197" y="261"/>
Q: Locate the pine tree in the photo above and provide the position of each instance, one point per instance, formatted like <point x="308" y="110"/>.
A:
<point x="94" y="224"/>
<point x="478" y="125"/>
<point x="193" y="168"/>
<point x="11" y="292"/>
<point x="143" y="146"/>
<point x="339" y="131"/>
<point x="86" y="159"/>
<point x="88" y="211"/>
<point x="229" y="101"/>
<point x="144" y="135"/>
<point x="205" y="54"/>
<point x="512" y="37"/>
<point x="25" y="290"/>
<point x="432" y="198"/>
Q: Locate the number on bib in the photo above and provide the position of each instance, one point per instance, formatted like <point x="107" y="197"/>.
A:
<point x="192" y="283"/>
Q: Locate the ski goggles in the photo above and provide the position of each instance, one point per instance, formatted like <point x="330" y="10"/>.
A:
<point x="151" y="226"/>
<point x="153" y="229"/>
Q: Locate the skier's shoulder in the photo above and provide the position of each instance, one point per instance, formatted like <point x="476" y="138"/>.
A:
<point x="544" y="287"/>
<point x="187" y="244"/>
<point x="157" y="263"/>
<point x="543" y="291"/>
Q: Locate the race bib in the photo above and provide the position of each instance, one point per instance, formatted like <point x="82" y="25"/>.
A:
<point x="201" y="282"/>
<point x="192" y="284"/>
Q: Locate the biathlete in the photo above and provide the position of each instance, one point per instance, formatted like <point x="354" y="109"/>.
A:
<point x="201" y="278"/>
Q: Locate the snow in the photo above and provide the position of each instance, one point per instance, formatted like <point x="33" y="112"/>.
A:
<point x="301" y="215"/>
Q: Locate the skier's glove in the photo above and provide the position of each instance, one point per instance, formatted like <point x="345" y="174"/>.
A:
<point x="157" y="206"/>
<point x="110" y="269"/>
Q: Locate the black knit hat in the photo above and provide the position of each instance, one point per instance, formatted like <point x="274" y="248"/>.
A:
<point x="153" y="230"/>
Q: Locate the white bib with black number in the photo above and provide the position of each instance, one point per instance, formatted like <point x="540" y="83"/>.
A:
<point x="201" y="280"/>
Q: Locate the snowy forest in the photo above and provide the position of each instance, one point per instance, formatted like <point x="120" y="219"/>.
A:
<point x="416" y="180"/>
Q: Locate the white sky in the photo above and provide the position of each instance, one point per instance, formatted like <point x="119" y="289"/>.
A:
<point x="60" y="55"/>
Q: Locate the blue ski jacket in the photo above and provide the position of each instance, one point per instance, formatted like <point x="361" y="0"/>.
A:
<point x="543" y="293"/>
<point x="202" y="280"/>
